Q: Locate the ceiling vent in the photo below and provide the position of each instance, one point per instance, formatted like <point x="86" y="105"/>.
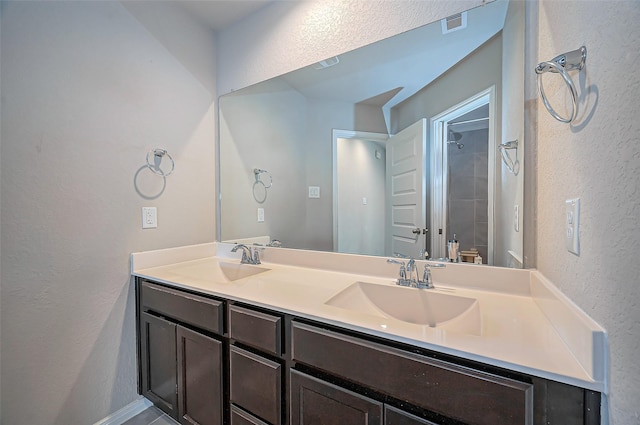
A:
<point x="327" y="63"/>
<point x="454" y="22"/>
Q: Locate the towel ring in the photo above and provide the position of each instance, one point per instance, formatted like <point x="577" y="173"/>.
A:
<point x="258" y="175"/>
<point x="259" y="192"/>
<point x="512" y="166"/>
<point x="561" y="64"/>
<point x="158" y="154"/>
<point x="260" y="185"/>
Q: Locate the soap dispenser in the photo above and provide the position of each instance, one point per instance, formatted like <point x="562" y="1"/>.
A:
<point x="453" y="249"/>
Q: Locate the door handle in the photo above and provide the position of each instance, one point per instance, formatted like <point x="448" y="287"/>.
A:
<point x="416" y="231"/>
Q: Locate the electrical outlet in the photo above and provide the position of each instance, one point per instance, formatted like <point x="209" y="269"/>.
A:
<point x="260" y="215"/>
<point x="516" y="218"/>
<point x="149" y="217"/>
<point x="572" y="225"/>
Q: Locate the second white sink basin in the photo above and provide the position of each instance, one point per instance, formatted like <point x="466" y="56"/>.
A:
<point x="424" y="307"/>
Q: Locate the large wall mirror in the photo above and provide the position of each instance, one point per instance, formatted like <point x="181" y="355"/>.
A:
<point x="391" y="148"/>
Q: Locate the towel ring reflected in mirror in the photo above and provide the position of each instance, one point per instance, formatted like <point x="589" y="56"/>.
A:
<point x="512" y="166"/>
<point x="263" y="181"/>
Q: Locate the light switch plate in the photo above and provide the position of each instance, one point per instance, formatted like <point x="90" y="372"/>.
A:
<point x="149" y="217"/>
<point x="260" y="215"/>
<point x="572" y="225"/>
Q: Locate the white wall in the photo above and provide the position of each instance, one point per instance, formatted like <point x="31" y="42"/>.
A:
<point x="361" y="174"/>
<point x="598" y="160"/>
<point x="268" y="131"/>
<point x="87" y="90"/>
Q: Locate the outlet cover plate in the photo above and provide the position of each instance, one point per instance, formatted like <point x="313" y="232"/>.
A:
<point x="314" y="191"/>
<point x="572" y="225"/>
<point x="149" y="217"/>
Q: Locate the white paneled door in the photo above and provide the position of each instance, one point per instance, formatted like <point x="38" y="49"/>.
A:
<point x="406" y="191"/>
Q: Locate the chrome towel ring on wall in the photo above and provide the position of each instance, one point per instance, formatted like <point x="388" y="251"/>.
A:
<point x="157" y="155"/>
<point x="561" y="64"/>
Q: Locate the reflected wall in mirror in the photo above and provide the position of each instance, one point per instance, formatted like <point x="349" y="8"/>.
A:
<point x="330" y="135"/>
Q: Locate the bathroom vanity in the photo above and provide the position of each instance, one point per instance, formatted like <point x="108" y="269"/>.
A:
<point x="222" y="342"/>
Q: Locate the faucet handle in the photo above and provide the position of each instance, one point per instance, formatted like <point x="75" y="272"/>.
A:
<point x="426" y="276"/>
<point x="402" y="275"/>
<point x="256" y="254"/>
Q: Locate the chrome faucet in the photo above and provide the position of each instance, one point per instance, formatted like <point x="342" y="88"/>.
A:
<point x="248" y="257"/>
<point x="407" y="270"/>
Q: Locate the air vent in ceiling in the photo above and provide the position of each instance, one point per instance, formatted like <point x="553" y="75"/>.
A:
<point x="327" y="63"/>
<point x="454" y="22"/>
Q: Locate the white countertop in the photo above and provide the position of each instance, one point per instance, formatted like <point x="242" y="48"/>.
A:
<point x="527" y="326"/>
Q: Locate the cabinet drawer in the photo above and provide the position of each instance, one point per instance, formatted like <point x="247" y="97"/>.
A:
<point x="195" y="310"/>
<point x="256" y="385"/>
<point x="458" y="392"/>
<point x="255" y="328"/>
<point x="240" y="417"/>
<point x="393" y="416"/>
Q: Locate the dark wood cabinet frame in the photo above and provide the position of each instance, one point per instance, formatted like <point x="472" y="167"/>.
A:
<point x="290" y="359"/>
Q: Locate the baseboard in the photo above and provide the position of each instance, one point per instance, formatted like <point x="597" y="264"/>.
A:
<point x="126" y="413"/>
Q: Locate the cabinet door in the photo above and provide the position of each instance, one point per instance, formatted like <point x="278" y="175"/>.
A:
<point x="158" y="352"/>
<point x="199" y="378"/>
<point x="315" y="402"/>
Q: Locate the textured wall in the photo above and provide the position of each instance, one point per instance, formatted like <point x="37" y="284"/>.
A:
<point x="288" y="35"/>
<point x="87" y="90"/>
<point x="597" y="159"/>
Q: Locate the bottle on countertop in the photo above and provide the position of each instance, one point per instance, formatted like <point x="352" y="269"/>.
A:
<point x="453" y="249"/>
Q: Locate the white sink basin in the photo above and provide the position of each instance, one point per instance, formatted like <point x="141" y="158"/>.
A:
<point x="424" y="307"/>
<point x="236" y="271"/>
<point x="220" y="272"/>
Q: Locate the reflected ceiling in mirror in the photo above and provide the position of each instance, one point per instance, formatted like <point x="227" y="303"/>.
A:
<point x="285" y="127"/>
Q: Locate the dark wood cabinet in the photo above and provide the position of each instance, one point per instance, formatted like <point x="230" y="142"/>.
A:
<point x="393" y="416"/>
<point x="210" y="361"/>
<point x="182" y="370"/>
<point x="457" y="392"/>
<point x="256" y="328"/>
<point x="240" y="417"/>
<point x="255" y="384"/>
<point x="316" y="402"/>
<point x="256" y="367"/>
<point x="200" y="378"/>
<point x="158" y="363"/>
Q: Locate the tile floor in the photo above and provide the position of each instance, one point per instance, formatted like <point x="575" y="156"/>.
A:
<point x="152" y="415"/>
